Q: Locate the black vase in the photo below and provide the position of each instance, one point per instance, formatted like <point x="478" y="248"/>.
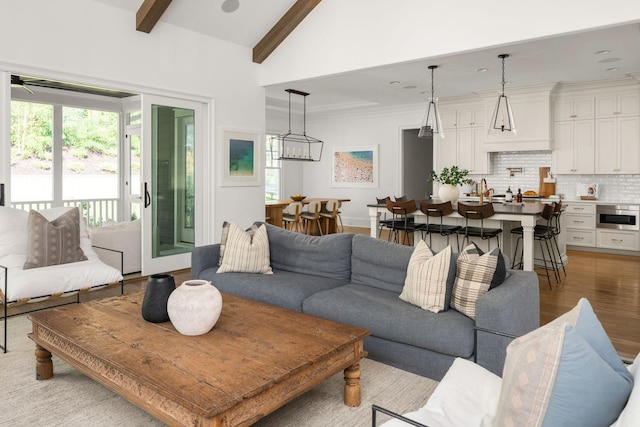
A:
<point x="154" y="304"/>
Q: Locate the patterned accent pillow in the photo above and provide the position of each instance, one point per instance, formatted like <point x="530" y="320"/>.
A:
<point x="427" y="278"/>
<point x="53" y="242"/>
<point x="564" y="373"/>
<point x="476" y="274"/>
<point x="246" y="252"/>
<point x="224" y="237"/>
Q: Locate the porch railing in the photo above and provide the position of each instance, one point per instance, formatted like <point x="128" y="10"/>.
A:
<point x="96" y="211"/>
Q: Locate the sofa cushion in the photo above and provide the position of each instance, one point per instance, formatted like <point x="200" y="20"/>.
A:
<point x="465" y="385"/>
<point x="282" y="288"/>
<point x="324" y="256"/>
<point x="246" y="252"/>
<point x="476" y="273"/>
<point x="388" y="317"/>
<point x="428" y="277"/>
<point x="564" y="373"/>
<point x="378" y="263"/>
<point x="53" y="242"/>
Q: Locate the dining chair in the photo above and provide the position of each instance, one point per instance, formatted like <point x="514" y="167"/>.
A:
<point x="312" y="217"/>
<point x="291" y="216"/>
<point x="439" y="211"/>
<point x="330" y="212"/>
<point x="478" y="213"/>
<point x="383" y="222"/>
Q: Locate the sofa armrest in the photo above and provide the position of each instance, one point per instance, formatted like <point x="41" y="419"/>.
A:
<point x="511" y="309"/>
<point x="204" y="257"/>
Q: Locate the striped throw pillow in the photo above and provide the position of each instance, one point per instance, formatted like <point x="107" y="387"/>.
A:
<point x="426" y="281"/>
<point x="246" y="252"/>
<point x="225" y="236"/>
<point x="477" y="272"/>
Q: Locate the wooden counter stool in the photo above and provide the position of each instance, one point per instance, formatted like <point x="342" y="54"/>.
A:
<point x="478" y="212"/>
<point x="543" y="234"/>
<point x="402" y="221"/>
<point x="438" y="210"/>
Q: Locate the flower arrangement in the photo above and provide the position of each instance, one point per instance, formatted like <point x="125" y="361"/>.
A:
<point x="453" y="176"/>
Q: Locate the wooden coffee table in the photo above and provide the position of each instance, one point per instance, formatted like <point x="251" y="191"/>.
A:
<point x="257" y="358"/>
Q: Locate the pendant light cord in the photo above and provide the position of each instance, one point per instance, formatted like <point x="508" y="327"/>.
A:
<point x="503" y="75"/>
<point x="432" y="83"/>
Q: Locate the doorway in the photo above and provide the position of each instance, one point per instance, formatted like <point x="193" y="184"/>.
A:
<point x="417" y="163"/>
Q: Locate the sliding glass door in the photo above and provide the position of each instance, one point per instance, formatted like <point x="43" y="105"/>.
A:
<point x="170" y="132"/>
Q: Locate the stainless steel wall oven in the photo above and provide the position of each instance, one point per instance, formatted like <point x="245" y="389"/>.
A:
<point x="621" y="217"/>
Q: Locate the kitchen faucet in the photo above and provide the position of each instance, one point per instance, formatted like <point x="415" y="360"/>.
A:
<point x="485" y="192"/>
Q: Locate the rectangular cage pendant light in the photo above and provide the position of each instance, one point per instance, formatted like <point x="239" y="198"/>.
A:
<point x="296" y="146"/>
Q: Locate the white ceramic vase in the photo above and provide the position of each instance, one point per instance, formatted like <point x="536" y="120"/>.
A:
<point x="194" y="307"/>
<point x="448" y="193"/>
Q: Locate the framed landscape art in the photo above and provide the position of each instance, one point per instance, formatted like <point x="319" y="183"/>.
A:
<point x="354" y="167"/>
<point x="241" y="156"/>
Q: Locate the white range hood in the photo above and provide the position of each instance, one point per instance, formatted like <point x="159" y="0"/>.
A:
<point x="533" y="113"/>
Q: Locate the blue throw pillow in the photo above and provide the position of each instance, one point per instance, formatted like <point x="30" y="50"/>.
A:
<point x="565" y="373"/>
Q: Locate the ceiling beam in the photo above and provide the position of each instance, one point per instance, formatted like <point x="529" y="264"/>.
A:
<point x="282" y="29"/>
<point x="149" y="14"/>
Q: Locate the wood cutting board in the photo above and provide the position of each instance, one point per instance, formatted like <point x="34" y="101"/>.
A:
<point x="546" y="189"/>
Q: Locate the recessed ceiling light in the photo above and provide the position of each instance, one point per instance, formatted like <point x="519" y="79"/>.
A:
<point x="229" y="6"/>
<point x="394" y="82"/>
<point x="409" y="87"/>
<point x="602" y="52"/>
<point x="482" y="70"/>
<point x="606" y="60"/>
<point x="612" y="69"/>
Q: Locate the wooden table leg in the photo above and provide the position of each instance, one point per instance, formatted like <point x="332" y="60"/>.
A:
<point x="44" y="365"/>
<point x="352" y="385"/>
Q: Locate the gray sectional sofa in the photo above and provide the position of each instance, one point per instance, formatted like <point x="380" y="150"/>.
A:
<point x="357" y="279"/>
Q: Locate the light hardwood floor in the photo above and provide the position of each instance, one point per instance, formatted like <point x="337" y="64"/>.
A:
<point x="610" y="282"/>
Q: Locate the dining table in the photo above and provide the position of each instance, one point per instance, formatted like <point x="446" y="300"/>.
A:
<point x="526" y="214"/>
<point x="273" y="209"/>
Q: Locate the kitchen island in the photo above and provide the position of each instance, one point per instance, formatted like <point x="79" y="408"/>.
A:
<point x="507" y="216"/>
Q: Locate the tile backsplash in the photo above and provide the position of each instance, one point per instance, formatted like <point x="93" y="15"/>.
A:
<point x="613" y="188"/>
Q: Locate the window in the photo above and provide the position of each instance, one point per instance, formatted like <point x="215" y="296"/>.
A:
<point x="65" y="156"/>
<point x="273" y="169"/>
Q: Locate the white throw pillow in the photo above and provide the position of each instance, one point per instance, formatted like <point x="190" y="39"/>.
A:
<point x="13" y="231"/>
<point x="246" y="252"/>
<point x="426" y="281"/>
<point x="630" y="415"/>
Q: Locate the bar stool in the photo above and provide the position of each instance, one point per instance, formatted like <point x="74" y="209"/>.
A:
<point x="543" y="234"/>
<point x="402" y="220"/>
<point x="478" y="212"/>
<point x="291" y="217"/>
<point x="438" y="210"/>
<point x="557" y="212"/>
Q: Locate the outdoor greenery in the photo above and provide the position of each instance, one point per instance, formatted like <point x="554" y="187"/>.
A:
<point x="454" y="176"/>
<point x="84" y="131"/>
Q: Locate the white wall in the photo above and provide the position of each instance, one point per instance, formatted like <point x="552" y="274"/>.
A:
<point x="90" y="42"/>
<point x="382" y="128"/>
<point x="340" y="36"/>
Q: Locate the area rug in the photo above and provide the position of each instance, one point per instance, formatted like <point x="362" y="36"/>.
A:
<point x="72" y="399"/>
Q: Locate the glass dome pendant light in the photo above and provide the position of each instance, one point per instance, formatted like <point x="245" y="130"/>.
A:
<point x="431" y="123"/>
<point x="502" y="118"/>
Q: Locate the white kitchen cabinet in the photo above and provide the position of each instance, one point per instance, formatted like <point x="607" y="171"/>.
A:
<point x="618" y="104"/>
<point x="464" y="137"/>
<point x="619" y="239"/>
<point x="617" y="145"/>
<point x="579" y="224"/>
<point x="574" y="108"/>
<point x="573" y="147"/>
